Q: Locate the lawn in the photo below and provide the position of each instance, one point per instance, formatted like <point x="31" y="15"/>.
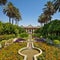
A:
<point x="11" y="52"/>
<point x="49" y="52"/>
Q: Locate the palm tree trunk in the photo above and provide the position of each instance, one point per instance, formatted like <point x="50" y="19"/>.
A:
<point x="12" y="21"/>
<point x="41" y="24"/>
<point x="9" y="20"/>
<point x="16" y="22"/>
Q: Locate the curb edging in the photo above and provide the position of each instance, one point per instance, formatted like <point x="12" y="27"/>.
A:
<point x="19" y="51"/>
<point x="25" y="56"/>
<point x="40" y="52"/>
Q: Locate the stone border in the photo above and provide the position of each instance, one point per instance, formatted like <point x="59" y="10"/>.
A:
<point x="35" y="56"/>
<point x="19" y="51"/>
<point x="40" y="52"/>
<point x="25" y="56"/>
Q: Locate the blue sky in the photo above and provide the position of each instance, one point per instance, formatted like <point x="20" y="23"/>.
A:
<point x="30" y="10"/>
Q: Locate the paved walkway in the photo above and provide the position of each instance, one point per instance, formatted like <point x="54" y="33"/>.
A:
<point x="30" y="51"/>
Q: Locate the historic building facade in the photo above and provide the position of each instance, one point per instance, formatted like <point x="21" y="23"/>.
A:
<point x="30" y="28"/>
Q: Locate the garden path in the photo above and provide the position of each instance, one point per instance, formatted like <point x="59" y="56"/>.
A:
<point x="30" y="52"/>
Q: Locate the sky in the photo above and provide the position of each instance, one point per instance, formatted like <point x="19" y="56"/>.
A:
<point x="30" y="11"/>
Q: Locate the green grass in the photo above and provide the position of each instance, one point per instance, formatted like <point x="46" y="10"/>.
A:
<point x="11" y="52"/>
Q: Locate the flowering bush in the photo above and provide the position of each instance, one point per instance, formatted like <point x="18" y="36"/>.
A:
<point x="19" y="40"/>
<point x="49" y="52"/>
<point x="40" y="39"/>
<point x="11" y="52"/>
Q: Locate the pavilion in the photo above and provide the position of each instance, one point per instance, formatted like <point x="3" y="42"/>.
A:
<point x="30" y="28"/>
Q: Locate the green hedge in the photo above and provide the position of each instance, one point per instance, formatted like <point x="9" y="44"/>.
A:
<point x="23" y="35"/>
<point x="6" y="37"/>
<point x="56" y="42"/>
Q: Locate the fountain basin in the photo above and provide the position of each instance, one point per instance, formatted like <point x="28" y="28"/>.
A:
<point x="30" y="53"/>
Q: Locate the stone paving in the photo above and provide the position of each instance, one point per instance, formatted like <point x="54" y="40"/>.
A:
<point x="30" y="51"/>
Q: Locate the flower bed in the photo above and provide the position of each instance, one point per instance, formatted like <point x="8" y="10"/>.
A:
<point x="11" y="52"/>
<point x="19" y="40"/>
<point x="40" y="39"/>
<point x="49" y="52"/>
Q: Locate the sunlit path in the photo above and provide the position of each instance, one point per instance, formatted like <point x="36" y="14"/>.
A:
<point x="30" y="51"/>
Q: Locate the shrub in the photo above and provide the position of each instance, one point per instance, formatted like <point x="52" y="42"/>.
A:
<point x="56" y="42"/>
<point x="36" y="35"/>
<point x="40" y="40"/>
<point x="50" y="30"/>
<point x="0" y="46"/>
<point x="7" y="28"/>
<point x="3" y="43"/>
<point x="23" y="35"/>
<point x="49" y="41"/>
<point x="6" y="37"/>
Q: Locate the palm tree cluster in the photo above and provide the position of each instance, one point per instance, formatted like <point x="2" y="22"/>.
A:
<point x="56" y="5"/>
<point x="11" y="11"/>
<point x="3" y="2"/>
<point x="50" y="8"/>
<point x="44" y="19"/>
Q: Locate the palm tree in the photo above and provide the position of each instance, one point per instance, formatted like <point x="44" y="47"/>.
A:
<point x="8" y="10"/>
<point x="12" y="12"/>
<point x="56" y="5"/>
<point x="41" y="19"/>
<point x="49" y="7"/>
<point x="49" y="10"/>
<point x="3" y="2"/>
<point x="47" y="14"/>
<point x="17" y="16"/>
